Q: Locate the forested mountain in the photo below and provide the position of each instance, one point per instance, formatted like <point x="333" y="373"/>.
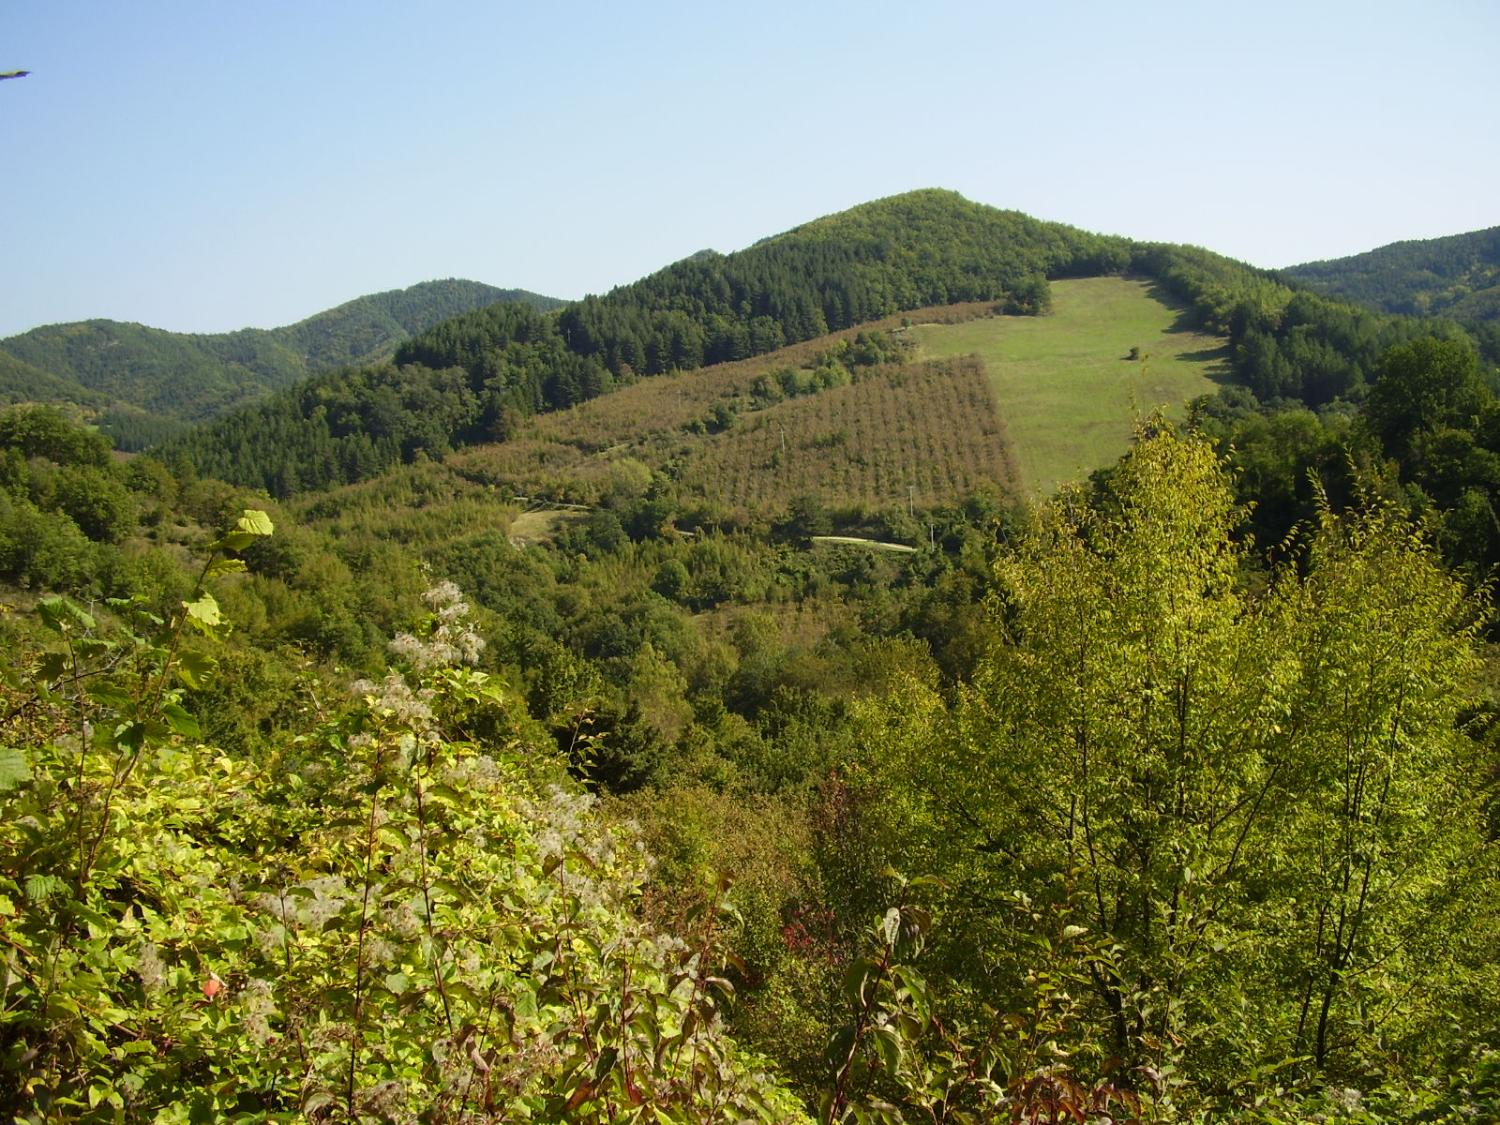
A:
<point x="21" y="382"/>
<point x="150" y="376"/>
<point x="1457" y="276"/>
<point x="472" y="374"/>
<point x="905" y="252"/>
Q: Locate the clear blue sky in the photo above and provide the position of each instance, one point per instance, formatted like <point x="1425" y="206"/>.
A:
<point x="208" y="165"/>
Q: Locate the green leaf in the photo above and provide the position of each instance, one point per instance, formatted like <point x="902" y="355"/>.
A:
<point x="254" y="522"/>
<point x="888" y="1047"/>
<point x="109" y="695"/>
<point x="606" y="1063"/>
<point x="524" y="1002"/>
<point x="224" y="566"/>
<point x="251" y="525"/>
<point x="14" y="770"/>
<point x="39" y="888"/>
<point x="392" y="838"/>
<point x="90" y="648"/>
<point x="234" y="541"/>
<point x="193" y="669"/>
<point x="856" y="978"/>
<point x="398" y="983"/>
<point x="447" y="889"/>
<point x="131" y="736"/>
<point x="57" y="612"/>
<point x="180" y="721"/>
<point x="204" y="612"/>
<point x="53" y="666"/>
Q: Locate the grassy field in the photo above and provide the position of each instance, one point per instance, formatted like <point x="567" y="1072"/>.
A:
<point x="1062" y="383"/>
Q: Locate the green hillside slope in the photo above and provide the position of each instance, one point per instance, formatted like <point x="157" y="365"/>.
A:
<point x="1065" y="383"/>
<point x="190" y="377"/>
<point x="1457" y="276"/>
<point x="21" y="382"/>
<point x="473" y="378"/>
<point x="908" y="251"/>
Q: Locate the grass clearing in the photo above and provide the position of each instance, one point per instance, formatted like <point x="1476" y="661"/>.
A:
<point x="532" y="528"/>
<point x="861" y="541"/>
<point x="1063" y="385"/>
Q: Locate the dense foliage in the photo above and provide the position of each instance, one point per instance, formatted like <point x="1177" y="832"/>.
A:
<point x="385" y="920"/>
<point x="1256" y="811"/>
<point x="1204" y="841"/>
<point x="905" y="252"/>
<point x="21" y="382"/>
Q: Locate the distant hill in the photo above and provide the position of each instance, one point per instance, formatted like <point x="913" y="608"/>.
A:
<point x="928" y="247"/>
<point x="21" y="382"/>
<point x="1456" y="277"/>
<point x="149" y="378"/>
<point x="475" y="377"/>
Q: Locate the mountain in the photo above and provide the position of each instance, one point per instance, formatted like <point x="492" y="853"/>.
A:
<point x="471" y="378"/>
<point x="149" y="376"/>
<point x="1457" y="276"/>
<point x="21" y="382"/>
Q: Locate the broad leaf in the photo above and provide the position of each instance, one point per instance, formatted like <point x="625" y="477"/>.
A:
<point x="14" y="771"/>
<point x="180" y="721"/>
<point x="193" y="669"/>
<point x="204" y="613"/>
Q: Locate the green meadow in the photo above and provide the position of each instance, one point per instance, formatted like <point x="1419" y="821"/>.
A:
<point x="1063" y="383"/>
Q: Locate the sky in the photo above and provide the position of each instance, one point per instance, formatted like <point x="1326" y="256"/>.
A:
<point x="204" y="166"/>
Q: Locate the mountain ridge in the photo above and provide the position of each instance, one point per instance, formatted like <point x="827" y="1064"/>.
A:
<point x="148" y="379"/>
<point x="471" y="378"/>
<point x="1456" y="276"/>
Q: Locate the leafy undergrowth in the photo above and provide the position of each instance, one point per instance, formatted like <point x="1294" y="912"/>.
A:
<point x="402" y="913"/>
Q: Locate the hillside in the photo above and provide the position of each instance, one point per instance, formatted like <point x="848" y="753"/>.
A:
<point x="908" y="251"/>
<point x="852" y="422"/>
<point x="958" y="402"/>
<point x="21" y="382"/>
<point x="475" y="377"/>
<point x="150" y="374"/>
<point x="1071" y="384"/>
<point x="1457" y="276"/>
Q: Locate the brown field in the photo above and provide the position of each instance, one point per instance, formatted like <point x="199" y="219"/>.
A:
<point x="670" y="402"/>
<point x="922" y="432"/>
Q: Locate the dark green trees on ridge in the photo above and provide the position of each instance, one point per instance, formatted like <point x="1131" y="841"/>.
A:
<point x="152" y="382"/>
